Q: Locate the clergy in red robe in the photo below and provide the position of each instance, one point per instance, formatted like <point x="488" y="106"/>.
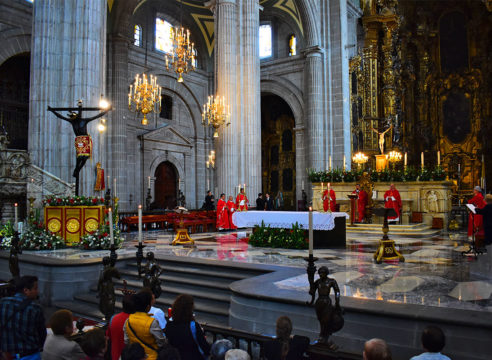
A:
<point x="361" y="201"/>
<point x="231" y="206"/>
<point x="242" y="201"/>
<point x="329" y="202"/>
<point x="392" y="199"/>
<point x="475" y="221"/>
<point x="222" y="214"/>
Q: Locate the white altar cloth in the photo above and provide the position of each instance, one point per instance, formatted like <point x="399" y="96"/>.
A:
<point x="285" y="219"/>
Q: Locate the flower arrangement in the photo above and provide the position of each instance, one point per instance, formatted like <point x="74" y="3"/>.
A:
<point x="265" y="236"/>
<point x="72" y="201"/>
<point x="386" y="175"/>
<point x="6" y="233"/>
<point x="34" y="237"/>
<point x="100" y="239"/>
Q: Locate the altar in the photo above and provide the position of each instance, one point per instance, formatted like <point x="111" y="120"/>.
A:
<point x="329" y="228"/>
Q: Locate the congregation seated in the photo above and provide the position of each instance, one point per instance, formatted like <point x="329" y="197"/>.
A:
<point x="376" y="349"/>
<point x="140" y="327"/>
<point x="57" y="345"/>
<point x="155" y="312"/>
<point x="94" y="343"/>
<point x="115" y="328"/>
<point x="133" y="351"/>
<point x="284" y="346"/>
<point x="184" y="333"/>
<point x="433" y="341"/>
<point x="219" y="349"/>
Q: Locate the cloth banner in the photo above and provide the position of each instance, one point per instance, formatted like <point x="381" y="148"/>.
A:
<point x="285" y="219"/>
<point x="83" y="145"/>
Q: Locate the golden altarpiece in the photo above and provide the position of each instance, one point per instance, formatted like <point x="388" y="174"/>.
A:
<point x="424" y="71"/>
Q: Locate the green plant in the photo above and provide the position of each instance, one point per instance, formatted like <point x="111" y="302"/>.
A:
<point x="410" y="174"/>
<point x="6" y="233"/>
<point x="438" y="173"/>
<point x="35" y="237"/>
<point x="100" y="239"/>
<point x="264" y="236"/>
<point x="72" y="201"/>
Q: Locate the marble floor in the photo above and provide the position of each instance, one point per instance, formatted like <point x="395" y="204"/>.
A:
<point x="434" y="273"/>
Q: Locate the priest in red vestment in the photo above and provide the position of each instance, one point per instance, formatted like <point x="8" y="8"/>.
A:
<point x="329" y="201"/>
<point x="242" y="201"/>
<point x="392" y="199"/>
<point x="476" y="221"/>
<point x="361" y="201"/>
<point x="222" y="214"/>
<point x="231" y="207"/>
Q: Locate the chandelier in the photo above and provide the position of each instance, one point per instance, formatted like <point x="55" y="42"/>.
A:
<point x="394" y="156"/>
<point x="144" y="96"/>
<point x="215" y="113"/>
<point x="183" y="53"/>
<point x="360" y="158"/>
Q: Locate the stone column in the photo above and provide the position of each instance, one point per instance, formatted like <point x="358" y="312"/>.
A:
<point x="227" y="144"/>
<point x="313" y="100"/>
<point x="67" y="64"/>
<point x="250" y="102"/>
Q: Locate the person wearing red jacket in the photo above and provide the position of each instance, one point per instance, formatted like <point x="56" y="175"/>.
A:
<point x="475" y="222"/>
<point x="222" y="214"/>
<point x="242" y="201"/>
<point x="361" y="201"/>
<point x="329" y="201"/>
<point x="231" y="207"/>
<point x="392" y="199"/>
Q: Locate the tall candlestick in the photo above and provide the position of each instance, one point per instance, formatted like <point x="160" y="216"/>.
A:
<point x="438" y="158"/>
<point x="16" y="216"/>
<point x="405" y="161"/>
<point x="330" y="164"/>
<point x="422" y="159"/>
<point x="140" y="224"/>
<point x="459" y="167"/>
<point x="114" y="187"/>
<point x="310" y="230"/>
<point x="149" y="182"/>
<point x="110" y="216"/>
<point x="343" y="162"/>
<point x="302" y="185"/>
<point x="321" y="186"/>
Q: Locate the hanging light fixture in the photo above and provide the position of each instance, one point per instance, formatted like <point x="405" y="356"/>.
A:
<point x="216" y="113"/>
<point x="144" y="96"/>
<point x="183" y="53"/>
<point x="360" y="158"/>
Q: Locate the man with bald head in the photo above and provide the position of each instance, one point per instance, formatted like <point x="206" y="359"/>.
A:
<point x="376" y="349"/>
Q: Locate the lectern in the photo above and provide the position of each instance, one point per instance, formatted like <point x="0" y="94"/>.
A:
<point x="386" y="249"/>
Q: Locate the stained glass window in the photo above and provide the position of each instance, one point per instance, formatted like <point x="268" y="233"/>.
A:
<point x="163" y="35"/>
<point x="137" y="36"/>
<point x="265" y="41"/>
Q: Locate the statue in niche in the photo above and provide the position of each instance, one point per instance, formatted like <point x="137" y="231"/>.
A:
<point x="330" y="316"/>
<point x="152" y="271"/>
<point x="432" y="202"/>
<point x="105" y="288"/>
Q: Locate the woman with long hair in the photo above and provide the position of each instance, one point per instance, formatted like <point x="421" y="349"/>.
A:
<point x="184" y="333"/>
<point x="284" y="346"/>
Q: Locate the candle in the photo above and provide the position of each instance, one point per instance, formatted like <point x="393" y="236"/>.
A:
<point x="16" y="216"/>
<point x="322" y="187"/>
<point x="110" y="216"/>
<point x="405" y="162"/>
<point x="459" y="167"/>
<point x="330" y="164"/>
<point x="109" y="182"/>
<point x="140" y="224"/>
<point x="310" y="231"/>
<point x="438" y="158"/>
<point x="244" y="187"/>
<point x="114" y="188"/>
<point x="302" y="185"/>
<point x="422" y="159"/>
<point x="149" y="182"/>
<point x="343" y="162"/>
<point x="179" y="183"/>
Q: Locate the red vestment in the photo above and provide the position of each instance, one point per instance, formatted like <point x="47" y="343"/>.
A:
<point x="361" y="203"/>
<point x="475" y="220"/>
<point x="392" y="199"/>
<point x="242" y="202"/>
<point x="332" y="200"/>
<point x="222" y="215"/>
<point x="231" y="207"/>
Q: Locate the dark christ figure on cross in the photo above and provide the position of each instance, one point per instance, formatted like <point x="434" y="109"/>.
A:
<point x="83" y="141"/>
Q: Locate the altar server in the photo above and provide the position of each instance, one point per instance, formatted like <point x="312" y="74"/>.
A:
<point x="222" y="214"/>
<point x="392" y="199"/>
<point x="361" y="201"/>
<point x="242" y="201"/>
<point x="231" y="207"/>
<point x="475" y="222"/>
<point x="329" y="201"/>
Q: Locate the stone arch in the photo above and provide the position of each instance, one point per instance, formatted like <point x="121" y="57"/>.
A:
<point x="170" y="158"/>
<point x="287" y="91"/>
<point x="15" y="44"/>
<point x="308" y="10"/>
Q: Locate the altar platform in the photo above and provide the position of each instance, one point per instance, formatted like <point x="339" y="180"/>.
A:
<point x="436" y="284"/>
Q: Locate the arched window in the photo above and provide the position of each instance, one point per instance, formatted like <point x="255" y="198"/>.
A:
<point x="137" y="35"/>
<point x="265" y="41"/>
<point x="163" y="35"/>
<point x="292" y="45"/>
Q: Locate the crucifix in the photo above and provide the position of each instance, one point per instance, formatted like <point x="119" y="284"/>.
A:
<point x="83" y="141"/>
<point x="381" y="137"/>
